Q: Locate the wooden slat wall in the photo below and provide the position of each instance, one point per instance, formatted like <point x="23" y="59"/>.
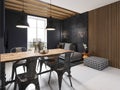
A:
<point x="104" y="33"/>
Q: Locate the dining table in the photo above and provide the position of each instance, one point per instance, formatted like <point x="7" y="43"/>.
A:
<point x="10" y="57"/>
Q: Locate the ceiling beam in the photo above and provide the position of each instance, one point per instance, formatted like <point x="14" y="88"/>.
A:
<point x="39" y="8"/>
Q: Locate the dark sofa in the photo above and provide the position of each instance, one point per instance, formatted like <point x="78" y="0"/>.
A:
<point x="76" y="57"/>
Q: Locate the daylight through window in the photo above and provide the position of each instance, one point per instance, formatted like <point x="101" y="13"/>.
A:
<point x="36" y="30"/>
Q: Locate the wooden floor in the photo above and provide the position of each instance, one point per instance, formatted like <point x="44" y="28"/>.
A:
<point x="83" y="78"/>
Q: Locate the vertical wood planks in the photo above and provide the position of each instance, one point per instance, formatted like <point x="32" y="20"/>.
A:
<point x="104" y="33"/>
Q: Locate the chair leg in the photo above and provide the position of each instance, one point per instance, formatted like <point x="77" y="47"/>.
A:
<point x="69" y="76"/>
<point x="15" y="85"/>
<point x="37" y="65"/>
<point x="41" y="64"/>
<point x="45" y="66"/>
<point x="13" y="72"/>
<point x="60" y="75"/>
<point x="70" y="80"/>
<point x="37" y="85"/>
<point x="22" y="86"/>
<point x="49" y="77"/>
<point x="24" y="68"/>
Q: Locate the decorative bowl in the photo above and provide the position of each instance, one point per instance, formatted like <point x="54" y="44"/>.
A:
<point x="44" y="51"/>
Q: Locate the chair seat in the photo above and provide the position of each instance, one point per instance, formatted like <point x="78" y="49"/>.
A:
<point x="21" y="62"/>
<point x="55" y="66"/>
<point x="59" y="66"/>
<point x="25" y="77"/>
<point x="50" y="62"/>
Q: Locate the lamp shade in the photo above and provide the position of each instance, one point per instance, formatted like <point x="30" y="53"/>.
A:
<point x="22" y="22"/>
<point x="50" y="24"/>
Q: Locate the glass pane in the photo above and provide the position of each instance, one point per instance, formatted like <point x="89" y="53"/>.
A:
<point x="36" y="30"/>
<point x="31" y="34"/>
<point x="41" y="24"/>
<point x="32" y="23"/>
<point x="41" y="34"/>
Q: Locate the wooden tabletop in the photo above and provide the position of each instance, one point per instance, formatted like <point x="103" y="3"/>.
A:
<point x="8" y="57"/>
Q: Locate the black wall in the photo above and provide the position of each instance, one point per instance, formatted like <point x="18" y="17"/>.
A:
<point x="54" y="37"/>
<point x="75" y="30"/>
<point x="2" y="25"/>
<point x="14" y="37"/>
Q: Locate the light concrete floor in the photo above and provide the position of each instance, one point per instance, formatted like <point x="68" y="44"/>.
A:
<point x="83" y="78"/>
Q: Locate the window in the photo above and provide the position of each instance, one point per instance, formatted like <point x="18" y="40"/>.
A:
<point x="36" y="30"/>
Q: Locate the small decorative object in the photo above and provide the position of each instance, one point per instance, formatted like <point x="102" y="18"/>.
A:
<point x="36" y="44"/>
<point x="85" y="55"/>
<point x="85" y="47"/>
<point x="44" y="51"/>
<point x="40" y="47"/>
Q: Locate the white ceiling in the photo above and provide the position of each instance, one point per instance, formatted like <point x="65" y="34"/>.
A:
<point x="80" y="6"/>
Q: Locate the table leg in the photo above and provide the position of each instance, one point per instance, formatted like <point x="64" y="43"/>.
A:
<point x="3" y="79"/>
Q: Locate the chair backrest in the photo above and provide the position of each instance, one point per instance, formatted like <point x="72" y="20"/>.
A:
<point x="18" y="49"/>
<point x="67" y="60"/>
<point x="31" y="67"/>
<point x="53" y="59"/>
<point x="63" y="63"/>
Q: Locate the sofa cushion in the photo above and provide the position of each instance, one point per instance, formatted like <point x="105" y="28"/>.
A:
<point x="74" y="57"/>
<point x="67" y="46"/>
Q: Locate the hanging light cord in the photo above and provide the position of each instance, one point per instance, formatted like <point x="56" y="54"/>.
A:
<point x="23" y="5"/>
<point x="50" y="9"/>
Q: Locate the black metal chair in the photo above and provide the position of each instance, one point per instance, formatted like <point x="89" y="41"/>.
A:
<point x="24" y="79"/>
<point x="60" y="67"/>
<point x="17" y="63"/>
<point x="44" y="60"/>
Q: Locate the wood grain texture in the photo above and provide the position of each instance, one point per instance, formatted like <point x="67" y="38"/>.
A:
<point x="9" y="57"/>
<point x="104" y="33"/>
<point x="39" y="8"/>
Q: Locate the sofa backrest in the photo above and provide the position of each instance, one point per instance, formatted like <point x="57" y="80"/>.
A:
<point x="67" y="46"/>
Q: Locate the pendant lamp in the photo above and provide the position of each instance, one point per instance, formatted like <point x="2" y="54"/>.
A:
<point x="50" y="22"/>
<point x="22" y="22"/>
